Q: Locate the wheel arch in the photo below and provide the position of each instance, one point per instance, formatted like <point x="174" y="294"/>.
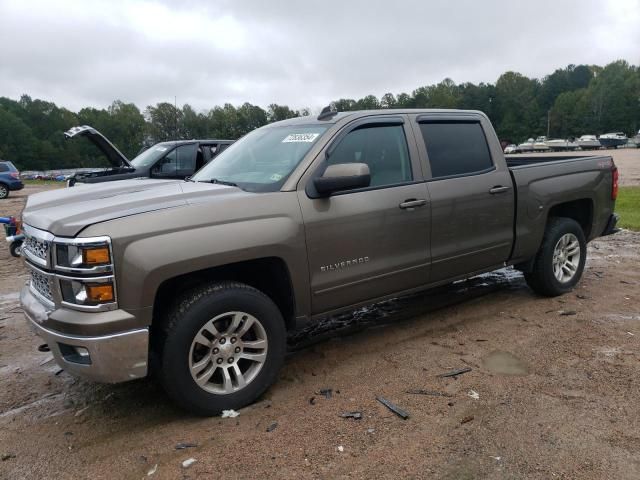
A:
<point x="270" y="275"/>
<point x="580" y="210"/>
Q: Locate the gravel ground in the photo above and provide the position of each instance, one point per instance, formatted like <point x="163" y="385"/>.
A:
<point x="552" y="391"/>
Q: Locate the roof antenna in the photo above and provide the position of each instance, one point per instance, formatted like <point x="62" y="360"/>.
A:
<point x="328" y="112"/>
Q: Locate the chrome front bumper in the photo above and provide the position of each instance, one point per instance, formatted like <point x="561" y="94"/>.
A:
<point x="108" y="359"/>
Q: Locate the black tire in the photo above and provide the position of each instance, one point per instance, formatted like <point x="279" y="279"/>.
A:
<point x="185" y="320"/>
<point x="541" y="279"/>
<point x="4" y="191"/>
<point x="15" y="248"/>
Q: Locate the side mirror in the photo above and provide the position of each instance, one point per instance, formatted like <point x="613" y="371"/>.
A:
<point x="343" y="176"/>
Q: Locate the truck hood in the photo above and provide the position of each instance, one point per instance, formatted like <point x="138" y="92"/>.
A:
<point x="115" y="157"/>
<point x="66" y="211"/>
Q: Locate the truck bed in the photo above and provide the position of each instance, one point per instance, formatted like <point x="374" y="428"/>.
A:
<point x="541" y="181"/>
<point x="514" y="161"/>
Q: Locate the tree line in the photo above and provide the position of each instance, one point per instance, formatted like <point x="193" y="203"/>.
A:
<point x="572" y="101"/>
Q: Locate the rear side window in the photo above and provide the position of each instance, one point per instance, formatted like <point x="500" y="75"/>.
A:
<point x="456" y="148"/>
<point x="382" y="148"/>
<point x="4" y="167"/>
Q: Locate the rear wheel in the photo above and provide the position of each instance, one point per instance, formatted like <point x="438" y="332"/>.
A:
<point x="559" y="263"/>
<point x="223" y="347"/>
<point x="4" y="191"/>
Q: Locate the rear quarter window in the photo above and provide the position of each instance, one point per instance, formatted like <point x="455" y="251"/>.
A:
<point x="4" y="167"/>
<point x="455" y="148"/>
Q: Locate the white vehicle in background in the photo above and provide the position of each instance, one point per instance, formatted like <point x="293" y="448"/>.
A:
<point x="511" y="148"/>
<point x="589" y="142"/>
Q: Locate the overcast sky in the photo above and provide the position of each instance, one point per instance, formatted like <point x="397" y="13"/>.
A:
<point x="299" y="53"/>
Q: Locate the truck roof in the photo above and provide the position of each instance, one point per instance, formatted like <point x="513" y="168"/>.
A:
<point x="313" y="120"/>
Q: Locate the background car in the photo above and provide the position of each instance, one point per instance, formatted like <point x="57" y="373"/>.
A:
<point x="9" y="179"/>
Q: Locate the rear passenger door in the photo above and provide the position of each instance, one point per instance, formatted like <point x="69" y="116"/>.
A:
<point x="472" y="198"/>
<point x="368" y="242"/>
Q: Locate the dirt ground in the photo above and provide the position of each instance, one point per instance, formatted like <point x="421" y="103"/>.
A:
<point x="552" y="392"/>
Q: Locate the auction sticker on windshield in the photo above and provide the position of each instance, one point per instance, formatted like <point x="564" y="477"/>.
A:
<point x="300" y="137"/>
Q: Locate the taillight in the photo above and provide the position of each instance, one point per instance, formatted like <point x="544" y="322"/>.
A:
<point x="15" y="174"/>
<point x="614" y="183"/>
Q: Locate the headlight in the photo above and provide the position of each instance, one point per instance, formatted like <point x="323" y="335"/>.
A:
<point x="78" y="255"/>
<point x="84" y="270"/>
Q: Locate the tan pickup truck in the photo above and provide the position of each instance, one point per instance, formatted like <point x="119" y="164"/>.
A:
<point x="199" y="281"/>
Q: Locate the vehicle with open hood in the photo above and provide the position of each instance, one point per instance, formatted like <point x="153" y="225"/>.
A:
<point x="177" y="159"/>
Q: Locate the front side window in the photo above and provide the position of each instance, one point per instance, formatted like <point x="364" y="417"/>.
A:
<point x="382" y="147"/>
<point x="262" y="160"/>
<point x="178" y="162"/>
<point x="456" y="148"/>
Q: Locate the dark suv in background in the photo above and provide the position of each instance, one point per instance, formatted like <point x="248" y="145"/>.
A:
<point x="9" y="179"/>
<point x="174" y="159"/>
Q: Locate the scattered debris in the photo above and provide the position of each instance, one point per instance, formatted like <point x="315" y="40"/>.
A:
<point x="272" y="427"/>
<point x="340" y="448"/>
<point x="567" y="312"/>
<point x="632" y="334"/>
<point x="395" y="409"/>
<point x="58" y="372"/>
<point x="188" y="462"/>
<point x="371" y="430"/>
<point x="229" y="414"/>
<point x="7" y="456"/>
<point x="484" y="339"/>
<point x="354" y="415"/>
<point x="152" y="470"/>
<point x="473" y="394"/>
<point x="497" y="459"/>
<point x="466" y="419"/>
<point x="627" y="283"/>
<point x="46" y="360"/>
<point x="44" y="348"/>
<point x="583" y="297"/>
<point x="183" y="445"/>
<point x="312" y="401"/>
<point x="327" y="392"/>
<point x="433" y="393"/>
<point x="455" y="373"/>
<point x="81" y="411"/>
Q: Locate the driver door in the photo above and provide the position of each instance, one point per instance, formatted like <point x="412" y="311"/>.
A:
<point x="370" y="242"/>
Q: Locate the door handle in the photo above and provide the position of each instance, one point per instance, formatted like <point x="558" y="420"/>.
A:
<point x="412" y="203"/>
<point x="499" y="189"/>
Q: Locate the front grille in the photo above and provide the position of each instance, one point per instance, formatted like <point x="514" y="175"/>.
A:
<point x="36" y="247"/>
<point x="42" y="284"/>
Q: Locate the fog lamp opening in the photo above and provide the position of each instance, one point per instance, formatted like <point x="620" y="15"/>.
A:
<point x="100" y="293"/>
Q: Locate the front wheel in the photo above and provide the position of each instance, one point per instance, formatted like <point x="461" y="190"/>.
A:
<point x="559" y="263"/>
<point x="15" y="248"/>
<point x="223" y="346"/>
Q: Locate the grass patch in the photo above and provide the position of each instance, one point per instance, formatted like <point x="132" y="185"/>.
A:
<point x="628" y="207"/>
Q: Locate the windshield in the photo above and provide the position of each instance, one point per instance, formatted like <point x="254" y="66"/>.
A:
<point x="262" y="160"/>
<point x="151" y="155"/>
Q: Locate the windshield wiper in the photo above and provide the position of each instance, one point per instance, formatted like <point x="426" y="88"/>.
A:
<point x="223" y="182"/>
